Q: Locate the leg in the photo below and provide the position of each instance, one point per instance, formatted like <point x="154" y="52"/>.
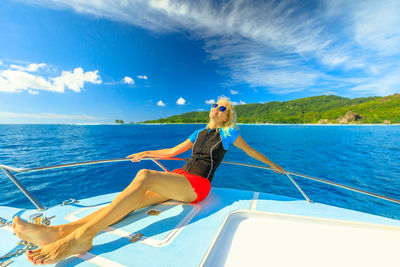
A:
<point x="150" y="198"/>
<point x="170" y="185"/>
<point x="42" y="235"/>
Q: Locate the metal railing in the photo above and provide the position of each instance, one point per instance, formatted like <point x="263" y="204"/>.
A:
<point x="7" y="169"/>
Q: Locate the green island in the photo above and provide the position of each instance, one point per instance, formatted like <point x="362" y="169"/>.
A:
<point x="324" y="109"/>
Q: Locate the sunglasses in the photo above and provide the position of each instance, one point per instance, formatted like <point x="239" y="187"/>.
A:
<point x="221" y="108"/>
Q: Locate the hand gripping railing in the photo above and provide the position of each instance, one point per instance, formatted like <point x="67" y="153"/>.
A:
<point x="7" y="170"/>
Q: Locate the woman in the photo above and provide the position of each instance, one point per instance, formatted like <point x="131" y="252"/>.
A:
<point x="189" y="184"/>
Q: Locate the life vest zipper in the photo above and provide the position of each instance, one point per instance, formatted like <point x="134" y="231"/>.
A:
<point x="201" y="149"/>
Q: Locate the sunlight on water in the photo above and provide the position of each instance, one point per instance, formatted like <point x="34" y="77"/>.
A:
<point x="365" y="157"/>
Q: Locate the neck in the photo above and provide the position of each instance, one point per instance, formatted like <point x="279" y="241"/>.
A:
<point x="212" y="125"/>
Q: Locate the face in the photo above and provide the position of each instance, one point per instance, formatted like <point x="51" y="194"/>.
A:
<point x="220" y="117"/>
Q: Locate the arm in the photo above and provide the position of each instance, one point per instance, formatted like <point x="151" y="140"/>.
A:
<point x="163" y="153"/>
<point x="240" y="143"/>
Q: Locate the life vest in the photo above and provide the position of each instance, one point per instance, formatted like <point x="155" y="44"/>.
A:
<point x="208" y="150"/>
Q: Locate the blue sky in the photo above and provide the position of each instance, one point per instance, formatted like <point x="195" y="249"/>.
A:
<point x="81" y="61"/>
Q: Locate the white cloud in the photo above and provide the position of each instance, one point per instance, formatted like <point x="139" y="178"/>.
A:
<point x="264" y="43"/>
<point x="210" y="102"/>
<point x="128" y="80"/>
<point x="238" y="103"/>
<point x="282" y="81"/>
<point x="75" y="80"/>
<point x="234" y="92"/>
<point x="12" y="81"/>
<point x="33" y="67"/>
<point x="15" y="81"/>
<point x="334" y="59"/>
<point x="32" y="92"/>
<point x="376" y="26"/>
<point x="381" y="86"/>
<point x="181" y="101"/>
<point x="143" y="77"/>
<point x="160" y="103"/>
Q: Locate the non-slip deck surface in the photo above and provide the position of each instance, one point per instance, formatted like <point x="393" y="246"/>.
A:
<point x="179" y="236"/>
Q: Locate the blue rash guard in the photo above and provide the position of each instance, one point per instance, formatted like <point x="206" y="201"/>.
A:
<point x="208" y="150"/>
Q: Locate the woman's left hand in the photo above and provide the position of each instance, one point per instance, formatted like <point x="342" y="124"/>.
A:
<point x="277" y="168"/>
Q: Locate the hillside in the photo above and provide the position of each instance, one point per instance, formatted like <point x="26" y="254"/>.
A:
<point x="306" y="110"/>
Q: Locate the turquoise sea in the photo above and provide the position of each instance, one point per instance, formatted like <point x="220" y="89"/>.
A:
<point x="366" y="157"/>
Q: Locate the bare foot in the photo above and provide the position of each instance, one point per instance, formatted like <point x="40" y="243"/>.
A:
<point x="40" y="235"/>
<point x="74" y="243"/>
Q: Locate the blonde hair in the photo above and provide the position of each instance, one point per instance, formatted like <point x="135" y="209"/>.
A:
<point x="231" y="122"/>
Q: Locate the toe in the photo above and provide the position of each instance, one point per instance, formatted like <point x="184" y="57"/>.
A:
<point x="40" y="259"/>
<point x="34" y="252"/>
<point x="36" y="257"/>
<point x="43" y="260"/>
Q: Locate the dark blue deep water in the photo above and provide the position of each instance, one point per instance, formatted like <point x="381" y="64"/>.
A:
<point x="366" y="157"/>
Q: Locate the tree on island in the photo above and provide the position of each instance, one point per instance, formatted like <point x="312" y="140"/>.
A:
<point x="324" y="109"/>
<point x="119" y="121"/>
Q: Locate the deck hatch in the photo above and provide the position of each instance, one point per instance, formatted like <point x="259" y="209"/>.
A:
<point x="264" y="239"/>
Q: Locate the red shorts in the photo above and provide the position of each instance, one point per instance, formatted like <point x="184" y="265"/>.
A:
<point x="201" y="185"/>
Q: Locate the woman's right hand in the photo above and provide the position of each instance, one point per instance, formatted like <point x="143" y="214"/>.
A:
<point x="137" y="156"/>
<point x="277" y="168"/>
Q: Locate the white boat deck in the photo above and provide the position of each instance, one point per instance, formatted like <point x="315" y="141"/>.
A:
<point x="270" y="239"/>
<point x="229" y="228"/>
